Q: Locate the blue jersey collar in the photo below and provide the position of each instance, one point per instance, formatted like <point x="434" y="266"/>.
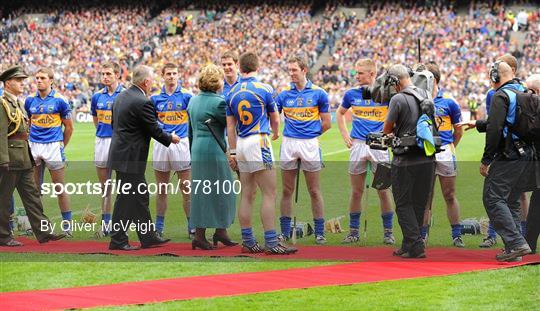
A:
<point x="177" y="90"/>
<point x="51" y="94"/>
<point x="309" y="85"/>
<point x="118" y="89"/>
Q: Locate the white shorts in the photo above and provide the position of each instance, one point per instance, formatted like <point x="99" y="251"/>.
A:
<point x="174" y="158"/>
<point x="101" y="151"/>
<point x="446" y="164"/>
<point x="52" y="154"/>
<point x="361" y="154"/>
<point x="307" y="150"/>
<point x="254" y="153"/>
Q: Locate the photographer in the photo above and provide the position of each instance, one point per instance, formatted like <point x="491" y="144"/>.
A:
<point x="412" y="171"/>
<point x="505" y="161"/>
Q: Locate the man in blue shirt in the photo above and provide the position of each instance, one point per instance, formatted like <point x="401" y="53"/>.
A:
<point x="306" y="111"/>
<point x="367" y="117"/>
<point x="101" y="109"/>
<point x="448" y="116"/>
<point x="229" y="63"/>
<point x="171" y="107"/>
<point x="252" y="116"/>
<point x="49" y="111"/>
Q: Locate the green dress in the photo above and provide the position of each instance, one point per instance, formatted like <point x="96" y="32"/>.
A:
<point x="215" y="208"/>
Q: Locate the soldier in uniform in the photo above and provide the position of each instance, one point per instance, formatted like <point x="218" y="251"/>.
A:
<point x="16" y="162"/>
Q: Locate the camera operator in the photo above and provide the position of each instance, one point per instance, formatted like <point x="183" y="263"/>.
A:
<point x="412" y="171"/>
<point x="505" y="161"/>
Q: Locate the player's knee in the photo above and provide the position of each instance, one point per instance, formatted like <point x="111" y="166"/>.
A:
<point x="357" y="193"/>
<point x="314" y="193"/>
<point x="287" y="191"/>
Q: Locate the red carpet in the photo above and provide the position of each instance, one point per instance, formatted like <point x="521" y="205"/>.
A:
<point x="231" y="284"/>
<point x="314" y="253"/>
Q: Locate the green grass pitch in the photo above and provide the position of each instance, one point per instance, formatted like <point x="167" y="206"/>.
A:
<point x="512" y="288"/>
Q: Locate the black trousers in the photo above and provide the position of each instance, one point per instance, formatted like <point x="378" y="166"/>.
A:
<point x="533" y="220"/>
<point x="502" y="189"/>
<point x="131" y="208"/>
<point x="412" y="180"/>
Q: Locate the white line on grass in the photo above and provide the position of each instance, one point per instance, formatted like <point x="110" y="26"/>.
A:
<point x="335" y="152"/>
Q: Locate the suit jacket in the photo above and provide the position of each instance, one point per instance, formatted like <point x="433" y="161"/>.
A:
<point x="134" y="122"/>
<point x="14" y="153"/>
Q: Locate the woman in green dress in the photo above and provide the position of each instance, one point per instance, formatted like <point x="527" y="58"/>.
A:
<point x="213" y="202"/>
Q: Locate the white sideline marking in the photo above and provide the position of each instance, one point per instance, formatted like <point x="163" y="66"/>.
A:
<point x="335" y="152"/>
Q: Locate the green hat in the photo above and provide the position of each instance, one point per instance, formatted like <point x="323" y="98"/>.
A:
<point x="13" y="72"/>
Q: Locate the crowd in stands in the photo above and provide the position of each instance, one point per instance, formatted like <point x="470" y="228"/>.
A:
<point x="75" y="40"/>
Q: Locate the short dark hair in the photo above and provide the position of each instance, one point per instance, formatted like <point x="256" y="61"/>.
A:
<point x="302" y="63"/>
<point x="249" y="62"/>
<point x="435" y="70"/>
<point x="510" y="60"/>
<point x="168" y="66"/>
<point x="114" y="66"/>
<point x="230" y="54"/>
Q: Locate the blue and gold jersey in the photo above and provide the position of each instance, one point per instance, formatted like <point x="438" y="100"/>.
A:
<point x="228" y="87"/>
<point x="250" y="101"/>
<point x="172" y="110"/>
<point x="46" y="115"/>
<point x="302" y="110"/>
<point x="101" y="107"/>
<point x="367" y="116"/>
<point x="447" y="113"/>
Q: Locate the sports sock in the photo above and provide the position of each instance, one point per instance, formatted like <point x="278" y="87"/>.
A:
<point x="491" y="231"/>
<point x="423" y="232"/>
<point x="66" y="224"/>
<point x="270" y="238"/>
<point x="387" y="219"/>
<point x="106" y="218"/>
<point x="247" y="237"/>
<point x="319" y="226"/>
<point x="354" y="221"/>
<point x="160" y="223"/>
<point x="285" y="224"/>
<point x="456" y="230"/>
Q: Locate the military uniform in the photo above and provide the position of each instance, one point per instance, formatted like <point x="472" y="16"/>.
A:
<point x="16" y="166"/>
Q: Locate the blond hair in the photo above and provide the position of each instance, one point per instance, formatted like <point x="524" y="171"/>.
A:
<point x="366" y="62"/>
<point x="210" y="78"/>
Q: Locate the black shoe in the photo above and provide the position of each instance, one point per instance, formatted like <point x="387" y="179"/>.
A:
<point x="12" y="243"/>
<point x="413" y="255"/>
<point x="256" y="248"/>
<point x="52" y="237"/>
<point x="398" y="252"/>
<point x="224" y="241"/>
<point x="156" y="241"/>
<point x="280" y="249"/>
<point x="204" y="245"/>
<point x="123" y="247"/>
<point x="513" y="254"/>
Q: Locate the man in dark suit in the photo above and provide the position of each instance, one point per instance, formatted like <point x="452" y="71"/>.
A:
<point x="134" y="123"/>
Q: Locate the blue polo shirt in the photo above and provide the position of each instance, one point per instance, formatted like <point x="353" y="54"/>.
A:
<point x="101" y="107"/>
<point x="447" y="113"/>
<point x="302" y="110"/>
<point x="367" y="115"/>
<point x="250" y="101"/>
<point x="46" y="115"/>
<point x="172" y="110"/>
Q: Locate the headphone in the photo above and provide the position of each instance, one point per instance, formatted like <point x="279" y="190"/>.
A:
<point x="494" y="72"/>
<point x="394" y="80"/>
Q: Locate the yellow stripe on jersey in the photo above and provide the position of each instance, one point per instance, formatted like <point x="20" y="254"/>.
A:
<point x="302" y="113"/>
<point x="46" y="120"/>
<point x="104" y="116"/>
<point x="377" y="114"/>
<point x="173" y="117"/>
<point x="444" y="123"/>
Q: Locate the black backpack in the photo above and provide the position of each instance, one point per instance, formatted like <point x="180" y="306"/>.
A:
<point x="527" y="123"/>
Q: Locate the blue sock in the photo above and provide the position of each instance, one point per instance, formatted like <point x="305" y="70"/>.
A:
<point x="319" y="226"/>
<point x="285" y="224"/>
<point x="491" y="231"/>
<point x="189" y="226"/>
<point x="456" y="230"/>
<point x="12" y="205"/>
<point x="387" y="220"/>
<point x="423" y="232"/>
<point x="67" y="217"/>
<point x="106" y="218"/>
<point x="160" y="223"/>
<point x="270" y="238"/>
<point x="354" y="222"/>
<point x="523" y="228"/>
<point x="247" y="237"/>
